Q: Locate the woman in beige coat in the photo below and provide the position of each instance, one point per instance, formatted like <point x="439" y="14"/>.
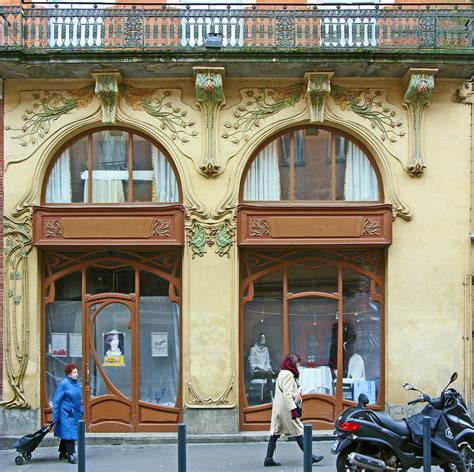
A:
<point x="284" y="412"/>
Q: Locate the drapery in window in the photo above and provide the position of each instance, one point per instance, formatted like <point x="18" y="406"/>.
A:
<point x="360" y="182"/>
<point x="58" y="189"/>
<point x="164" y="179"/>
<point x="263" y="178"/>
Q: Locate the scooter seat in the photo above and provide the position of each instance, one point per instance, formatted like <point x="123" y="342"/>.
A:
<point x="399" y="427"/>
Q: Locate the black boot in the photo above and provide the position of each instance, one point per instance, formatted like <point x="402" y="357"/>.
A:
<point x="71" y="458"/>
<point x="269" y="462"/>
<point x="315" y="459"/>
<point x="62" y="455"/>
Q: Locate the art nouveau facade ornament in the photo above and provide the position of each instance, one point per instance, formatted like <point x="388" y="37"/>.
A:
<point x="107" y="89"/>
<point x="318" y="87"/>
<point x="419" y="85"/>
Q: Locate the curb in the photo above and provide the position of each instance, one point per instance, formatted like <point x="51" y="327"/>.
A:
<point x="134" y="439"/>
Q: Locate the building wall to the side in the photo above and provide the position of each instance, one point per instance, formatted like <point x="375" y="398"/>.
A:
<point x="427" y="262"/>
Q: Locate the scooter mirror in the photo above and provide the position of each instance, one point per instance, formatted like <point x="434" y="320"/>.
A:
<point x="408" y="386"/>
<point x="453" y="377"/>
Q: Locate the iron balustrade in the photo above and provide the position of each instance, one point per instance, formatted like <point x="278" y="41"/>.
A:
<point x="246" y="28"/>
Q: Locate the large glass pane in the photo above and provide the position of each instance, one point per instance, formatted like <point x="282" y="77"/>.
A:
<point x="101" y="280"/>
<point x="142" y="170"/>
<point x="362" y="337"/>
<point x="263" y="317"/>
<point x="269" y="175"/>
<point x="313" y="171"/>
<point x="113" y="344"/>
<point x="63" y="326"/>
<point x="311" y="276"/>
<point x="356" y="178"/>
<point x="109" y="167"/>
<point x="68" y="174"/>
<point x="159" y="343"/>
<point x="312" y="322"/>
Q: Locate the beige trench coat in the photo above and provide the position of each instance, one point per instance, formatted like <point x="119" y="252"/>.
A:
<point x="286" y="393"/>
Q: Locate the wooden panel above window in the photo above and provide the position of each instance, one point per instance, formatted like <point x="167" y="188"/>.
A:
<point x="322" y="226"/>
<point x="99" y="226"/>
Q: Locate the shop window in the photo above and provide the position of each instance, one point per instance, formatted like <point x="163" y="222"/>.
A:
<point x="311" y="164"/>
<point x="312" y="302"/>
<point x="111" y="166"/>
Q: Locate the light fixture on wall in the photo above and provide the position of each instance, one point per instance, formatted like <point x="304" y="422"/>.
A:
<point x="213" y="41"/>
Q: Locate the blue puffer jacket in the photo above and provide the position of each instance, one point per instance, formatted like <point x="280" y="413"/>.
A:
<point x="67" y="409"/>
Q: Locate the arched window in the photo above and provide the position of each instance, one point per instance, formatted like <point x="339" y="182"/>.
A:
<point x="312" y="164"/>
<point x="111" y="166"/>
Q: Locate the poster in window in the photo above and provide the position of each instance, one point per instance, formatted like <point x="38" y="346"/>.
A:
<point x="75" y="344"/>
<point x="114" y="349"/>
<point x="59" y="344"/>
<point x="159" y="344"/>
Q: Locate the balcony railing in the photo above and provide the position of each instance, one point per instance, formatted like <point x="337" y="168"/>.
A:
<point x="48" y="27"/>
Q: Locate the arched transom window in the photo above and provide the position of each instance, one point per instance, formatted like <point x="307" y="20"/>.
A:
<point x="111" y="166"/>
<point x="312" y="164"/>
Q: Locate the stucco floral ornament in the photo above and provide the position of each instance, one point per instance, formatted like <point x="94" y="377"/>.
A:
<point x="370" y="105"/>
<point x="47" y="107"/>
<point x="17" y="245"/>
<point x="162" y="105"/>
<point x="257" y="105"/>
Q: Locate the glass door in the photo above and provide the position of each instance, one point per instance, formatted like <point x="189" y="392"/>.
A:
<point x="110" y="394"/>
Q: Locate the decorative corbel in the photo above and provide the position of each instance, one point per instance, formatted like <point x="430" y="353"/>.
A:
<point x="107" y="91"/>
<point x="210" y="98"/>
<point x="317" y="88"/>
<point x="465" y="94"/>
<point x="419" y="86"/>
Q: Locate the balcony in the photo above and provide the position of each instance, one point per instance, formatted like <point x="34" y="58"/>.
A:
<point x="325" y="33"/>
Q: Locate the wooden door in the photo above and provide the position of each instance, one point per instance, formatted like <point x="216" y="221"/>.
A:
<point x="110" y="387"/>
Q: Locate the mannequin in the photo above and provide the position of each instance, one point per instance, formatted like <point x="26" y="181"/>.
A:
<point x="348" y="338"/>
<point x="259" y="362"/>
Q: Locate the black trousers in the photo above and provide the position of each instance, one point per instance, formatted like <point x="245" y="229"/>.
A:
<point x="67" y="446"/>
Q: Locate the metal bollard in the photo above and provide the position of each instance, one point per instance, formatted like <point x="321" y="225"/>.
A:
<point x="426" y="444"/>
<point x="308" y="448"/>
<point x="81" y="446"/>
<point x="181" y="447"/>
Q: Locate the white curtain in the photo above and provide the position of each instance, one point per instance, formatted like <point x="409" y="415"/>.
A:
<point x="59" y="182"/>
<point x="360" y="183"/>
<point x="106" y="187"/>
<point x="263" y="179"/>
<point x="164" y="179"/>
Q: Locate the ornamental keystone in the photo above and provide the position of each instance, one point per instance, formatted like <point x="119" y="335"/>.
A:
<point x="318" y="87"/>
<point x="107" y="91"/>
<point x="419" y="85"/>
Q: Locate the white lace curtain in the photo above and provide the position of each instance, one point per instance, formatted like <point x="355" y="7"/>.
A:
<point x="164" y="180"/>
<point x="59" y="189"/>
<point x="263" y="178"/>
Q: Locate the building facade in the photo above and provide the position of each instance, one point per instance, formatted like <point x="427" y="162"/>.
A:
<point x="192" y="192"/>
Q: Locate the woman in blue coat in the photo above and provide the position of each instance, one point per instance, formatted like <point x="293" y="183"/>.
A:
<point x="67" y="411"/>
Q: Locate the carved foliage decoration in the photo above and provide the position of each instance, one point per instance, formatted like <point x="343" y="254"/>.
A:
<point x="195" y="399"/>
<point x="420" y="85"/>
<point x="47" y="107"/>
<point x="161" y="105"/>
<point x="17" y="245"/>
<point x="53" y="229"/>
<point x="260" y="227"/>
<point x="107" y="90"/>
<point x="200" y="234"/>
<point x="257" y="105"/>
<point x="210" y="97"/>
<point x="161" y="228"/>
<point x="318" y="87"/>
<point x="371" y="227"/>
<point x="368" y="104"/>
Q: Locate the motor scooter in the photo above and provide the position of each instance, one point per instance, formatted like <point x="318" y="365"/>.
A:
<point x="368" y="440"/>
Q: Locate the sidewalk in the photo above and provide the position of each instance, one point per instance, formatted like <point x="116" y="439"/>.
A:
<point x="217" y="457"/>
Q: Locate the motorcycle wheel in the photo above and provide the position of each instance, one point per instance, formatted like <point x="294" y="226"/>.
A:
<point x="467" y="455"/>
